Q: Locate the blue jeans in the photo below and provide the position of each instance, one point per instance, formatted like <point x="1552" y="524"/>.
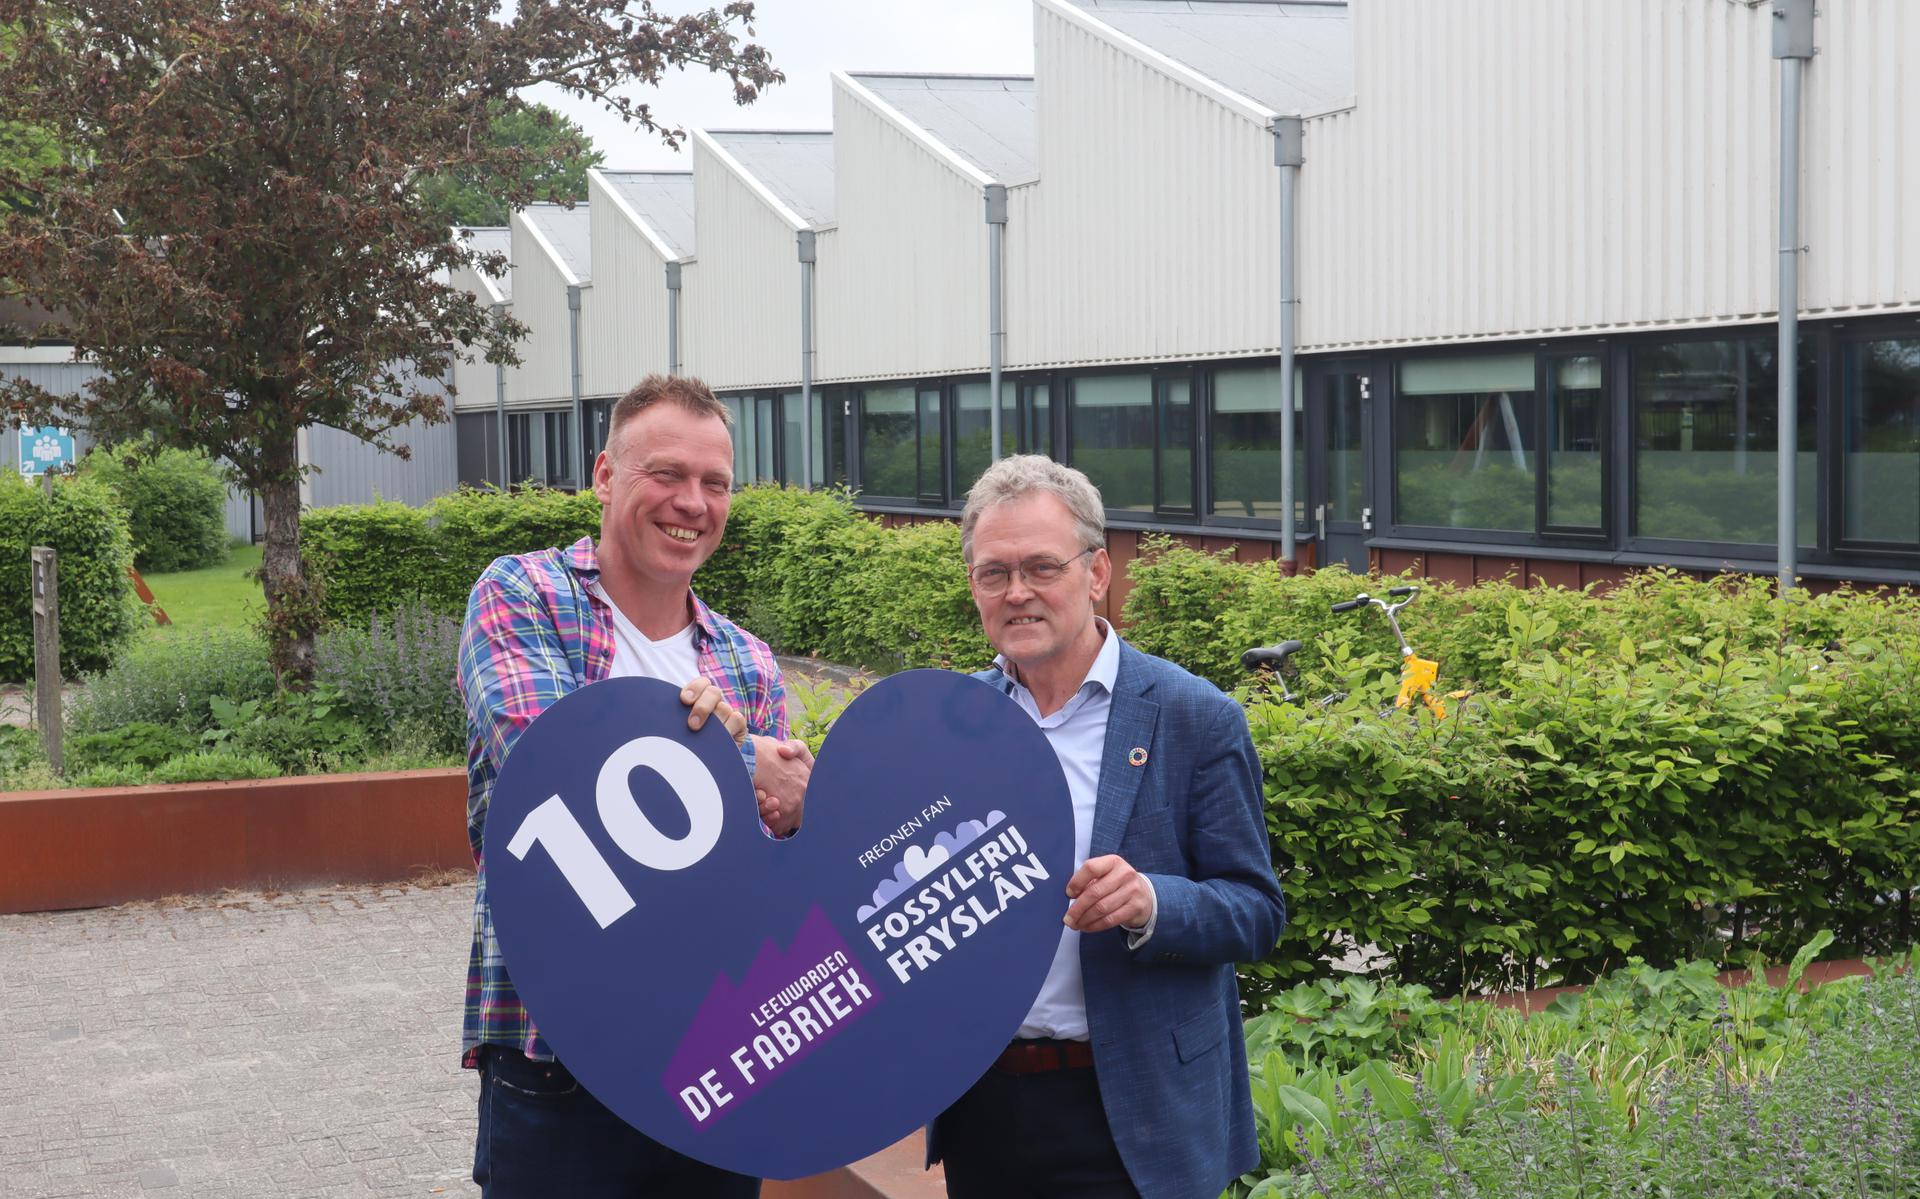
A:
<point x="541" y="1135"/>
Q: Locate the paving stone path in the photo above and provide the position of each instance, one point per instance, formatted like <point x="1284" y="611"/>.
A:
<point x="300" y="1045"/>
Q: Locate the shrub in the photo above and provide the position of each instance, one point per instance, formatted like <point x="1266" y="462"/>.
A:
<point x="213" y="766"/>
<point x="138" y="745"/>
<point x="372" y="557"/>
<point x="173" y="680"/>
<point x="1599" y="806"/>
<point x="300" y="735"/>
<point x="397" y="672"/>
<point x="175" y="501"/>
<point x="377" y="557"/>
<point x="107" y="776"/>
<point x="88" y="528"/>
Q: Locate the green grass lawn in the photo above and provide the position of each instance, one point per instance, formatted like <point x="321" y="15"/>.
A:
<point x="218" y="597"/>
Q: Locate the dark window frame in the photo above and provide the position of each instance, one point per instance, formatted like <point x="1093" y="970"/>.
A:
<point x="1843" y="339"/>
<point x="1632" y="541"/>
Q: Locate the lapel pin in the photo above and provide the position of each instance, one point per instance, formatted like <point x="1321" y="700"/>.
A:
<point x="1138" y="757"/>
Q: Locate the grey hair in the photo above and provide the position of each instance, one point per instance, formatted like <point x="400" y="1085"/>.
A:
<point x="1021" y="475"/>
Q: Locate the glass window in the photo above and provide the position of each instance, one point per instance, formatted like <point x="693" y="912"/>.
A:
<point x="1463" y="442"/>
<point x="1176" y="444"/>
<point x="1576" y="424"/>
<point x="1346" y="447"/>
<point x="1036" y="419"/>
<point x="794" y="439"/>
<point x="1246" y="444"/>
<point x="1112" y="421"/>
<point x="520" y="438"/>
<point x="556" y="454"/>
<point x="931" y="446"/>
<point x="1705" y="430"/>
<point x="1880" y="443"/>
<point x="830" y="437"/>
<point x="973" y="430"/>
<point x="765" y="430"/>
<point x="888" y="462"/>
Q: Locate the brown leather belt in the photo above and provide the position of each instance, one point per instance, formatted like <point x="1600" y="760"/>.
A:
<point x="1040" y="1056"/>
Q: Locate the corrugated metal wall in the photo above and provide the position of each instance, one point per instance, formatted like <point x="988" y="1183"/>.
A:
<point x="474" y="383"/>
<point x="1550" y="168"/>
<point x="1153" y="232"/>
<point x="908" y="291"/>
<point x="1862" y="158"/>
<point x="740" y="324"/>
<point x="350" y="471"/>
<point x="624" y="329"/>
<point x="60" y="378"/>
<point x="545" y="375"/>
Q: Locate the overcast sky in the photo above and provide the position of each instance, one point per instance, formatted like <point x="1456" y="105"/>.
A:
<point x="809" y="39"/>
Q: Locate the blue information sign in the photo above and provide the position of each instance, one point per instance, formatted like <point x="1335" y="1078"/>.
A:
<point x="779" y="1008"/>
<point x="45" y="448"/>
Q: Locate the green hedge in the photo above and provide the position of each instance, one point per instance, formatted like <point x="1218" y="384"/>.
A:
<point x="805" y="571"/>
<point x="98" y="611"/>
<point x="379" y="557"/>
<point x="812" y="575"/>
<point x="176" y="505"/>
<point x="1677" y="768"/>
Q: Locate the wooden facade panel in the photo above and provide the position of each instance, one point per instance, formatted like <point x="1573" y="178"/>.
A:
<point x="1545" y="573"/>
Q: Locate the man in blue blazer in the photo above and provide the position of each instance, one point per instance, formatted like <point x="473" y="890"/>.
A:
<point x="1129" y="1076"/>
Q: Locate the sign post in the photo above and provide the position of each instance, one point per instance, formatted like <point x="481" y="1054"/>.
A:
<point x="46" y="650"/>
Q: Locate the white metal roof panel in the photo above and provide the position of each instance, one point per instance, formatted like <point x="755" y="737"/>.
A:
<point x="797" y="167"/>
<point x="1287" y="56"/>
<point x="663" y="199"/>
<point x="493" y="239"/>
<point x="568" y="231"/>
<point x="989" y="120"/>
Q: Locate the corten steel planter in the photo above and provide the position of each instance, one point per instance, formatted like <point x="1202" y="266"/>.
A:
<point x="92" y="848"/>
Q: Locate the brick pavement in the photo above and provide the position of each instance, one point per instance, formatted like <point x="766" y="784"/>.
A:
<point x="299" y="1045"/>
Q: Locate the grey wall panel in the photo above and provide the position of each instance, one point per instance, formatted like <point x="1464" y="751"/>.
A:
<point x="350" y="471"/>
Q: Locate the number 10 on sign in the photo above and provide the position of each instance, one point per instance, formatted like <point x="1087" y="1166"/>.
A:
<point x="553" y="825"/>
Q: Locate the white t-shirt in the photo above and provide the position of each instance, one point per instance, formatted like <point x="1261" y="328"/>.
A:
<point x="671" y="659"/>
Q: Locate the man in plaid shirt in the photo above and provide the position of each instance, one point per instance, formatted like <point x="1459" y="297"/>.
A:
<point x="539" y="626"/>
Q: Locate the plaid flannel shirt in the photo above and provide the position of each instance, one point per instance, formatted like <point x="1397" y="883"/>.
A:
<point x="534" y="632"/>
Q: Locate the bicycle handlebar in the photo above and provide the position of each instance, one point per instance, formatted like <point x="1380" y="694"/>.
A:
<point x="1351" y="604"/>
<point x="1397" y="592"/>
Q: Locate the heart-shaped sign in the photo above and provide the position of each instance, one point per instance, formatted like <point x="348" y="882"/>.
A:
<point x="779" y="1008"/>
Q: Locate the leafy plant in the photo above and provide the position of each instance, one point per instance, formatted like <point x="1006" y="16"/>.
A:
<point x="174" y="681"/>
<point x="86" y="526"/>
<point x="136" y="746"/>
<point x="175" y="501"/>
<point x="397" y="671"/>
<point x="214" y="765"/>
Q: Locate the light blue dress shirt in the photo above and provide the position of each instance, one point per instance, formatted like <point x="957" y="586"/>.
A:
<point x="1078" y="734"/>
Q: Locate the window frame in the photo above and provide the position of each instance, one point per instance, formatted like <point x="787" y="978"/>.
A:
<point x="1844" y="338"/>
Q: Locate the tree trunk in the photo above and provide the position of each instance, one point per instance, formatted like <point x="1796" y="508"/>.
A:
<point x="293" y="600"/>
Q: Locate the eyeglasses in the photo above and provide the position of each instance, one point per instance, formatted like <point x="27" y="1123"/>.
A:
<point x="991" y="578"/>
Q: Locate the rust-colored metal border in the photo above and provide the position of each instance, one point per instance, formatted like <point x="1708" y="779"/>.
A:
<point x="92" y="848"/>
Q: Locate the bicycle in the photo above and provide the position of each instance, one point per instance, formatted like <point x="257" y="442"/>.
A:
<point x="1417" y="675"/>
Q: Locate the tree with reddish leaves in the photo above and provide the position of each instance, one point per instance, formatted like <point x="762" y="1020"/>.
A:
<point x="237" y="234"/>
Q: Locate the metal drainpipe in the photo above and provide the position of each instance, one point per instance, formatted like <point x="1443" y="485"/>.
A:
<point x="500" y="407"/>
<point x="579" y="426"/>
<point x="805" y="242"/>
<point x="996" y="197"/>
<point x="1793" y="46"/>
<point x="1288" y="147"/>
<point x="673" y="318"/>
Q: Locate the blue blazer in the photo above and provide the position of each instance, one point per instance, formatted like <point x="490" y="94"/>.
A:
<point x="1165" y="1019"/>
